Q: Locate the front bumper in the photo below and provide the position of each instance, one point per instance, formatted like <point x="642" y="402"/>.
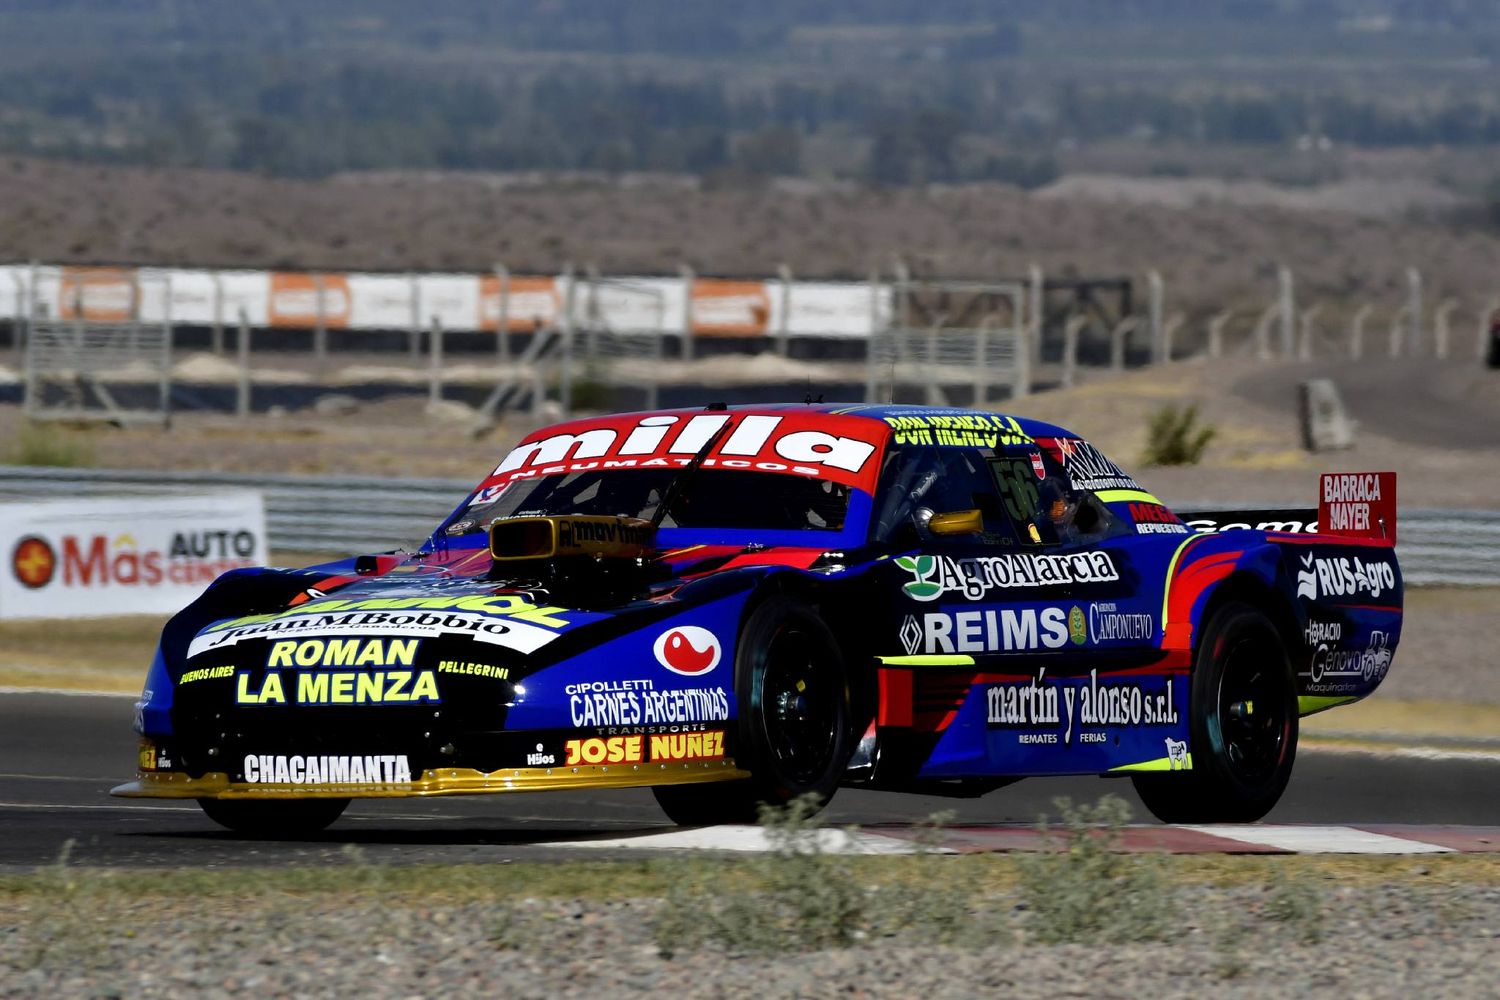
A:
<point x="438" y="781"/>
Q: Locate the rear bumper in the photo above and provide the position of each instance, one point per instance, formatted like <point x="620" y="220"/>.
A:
<point x="439" y="781"/>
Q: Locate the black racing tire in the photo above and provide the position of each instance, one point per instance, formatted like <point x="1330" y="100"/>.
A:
<point x="1243" y="721"/>
<point x="272" y="819"/>
<point x="793" y="732"/>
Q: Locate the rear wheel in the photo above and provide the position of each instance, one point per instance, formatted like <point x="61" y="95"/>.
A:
<point x="793" y="728"/>
<point x="1243" y="721"/>
<point x="272" y="819"/>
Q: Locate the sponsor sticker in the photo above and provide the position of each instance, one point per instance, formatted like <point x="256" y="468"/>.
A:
<point x="317" y="769"/>
<point x="934" y="576"/>
<point x="822" y="446"/>
<point x="1066" y="709"/>
<point x="33" y="562"/>
<point x="1108" y="624"/>
<point x="993" y="630"/>
<point x="1340" y="671"/>
<point x="606" y="704"/>
<point x="961" y="430"/>
<point x="1343" y="576"/>
<point x="687" y="650"/>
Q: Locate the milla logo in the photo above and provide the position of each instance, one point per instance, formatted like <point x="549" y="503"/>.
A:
<point x="1307" y="579"/>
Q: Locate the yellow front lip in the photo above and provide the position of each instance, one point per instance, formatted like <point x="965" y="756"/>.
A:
<point x="438" y="781"/>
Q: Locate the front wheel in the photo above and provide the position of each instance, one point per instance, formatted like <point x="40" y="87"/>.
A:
<point x="273" y="819"/>
<point x="793" y="729"/>
<point x="1243" y="725"/>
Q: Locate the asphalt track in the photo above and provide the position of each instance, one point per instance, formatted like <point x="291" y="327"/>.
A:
<point x="60" y="754"/>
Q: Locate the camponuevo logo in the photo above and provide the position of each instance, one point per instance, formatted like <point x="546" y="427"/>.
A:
<point x="687" y="650"/>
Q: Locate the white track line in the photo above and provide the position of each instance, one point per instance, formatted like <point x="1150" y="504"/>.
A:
<point x="747" y="839"/>
<point x="1320" y="839"/>
<point x="68" y="692"/>
<point x="1397" y="750"/>
<point x="60" y="805"/>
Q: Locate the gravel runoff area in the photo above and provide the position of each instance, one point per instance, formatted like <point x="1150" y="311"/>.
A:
<point x="1396" y="940"/>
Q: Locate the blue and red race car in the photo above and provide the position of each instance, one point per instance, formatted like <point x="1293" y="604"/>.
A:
<point x="744" y="605"/>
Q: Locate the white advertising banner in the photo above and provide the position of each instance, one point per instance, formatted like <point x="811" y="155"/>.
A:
<point x="461" y="302"/>
<point x="123" y="555"/>
<point x="826" y="309"/>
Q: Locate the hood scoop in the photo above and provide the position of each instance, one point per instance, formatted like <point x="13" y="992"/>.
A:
<point x="582" y="560"/>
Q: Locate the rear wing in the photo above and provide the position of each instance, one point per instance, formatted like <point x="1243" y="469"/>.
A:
<point x="1350" y="504"/>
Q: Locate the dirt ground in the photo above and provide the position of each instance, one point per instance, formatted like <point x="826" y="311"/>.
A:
<point x="1213" y="253"/>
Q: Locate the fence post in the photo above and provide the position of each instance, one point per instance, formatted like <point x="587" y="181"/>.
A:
<point x="18" y="320"/>
<point x="1169" y="334"/>
<point x="1414" y="311"/>
<point x="167" y="332"/>
<point x="872" y="356"/>
<point x="1490" y="313"/>
<point x="320" y="331"/>
<point x="687" y="311"/>
<point x="1117" y="343"/>
<point x="783" y="323"/>
<point x="502" y="318"/>
<point x="591" y="312"/>
<point x="1155" y="294"/>
<point x="981" y="363"/>
<point x="1216" y="333"/>
<point x="242" y="361"/>
<point x="565" y="373"/>
<point x="1261" y="335"/>
<point x="414" y="320"/>
<point x="1038" y="284"/>
<point x="218" y="328"/>
<point x="435" y="360"/>
<point x="1398" y="326"/>
<point x="1071" y="329"/>
<point x="1286" y="303"/>
<point x="1304" y="344"/>
<point x="1357" y="332"/>
<point x="1024" y="351"/>
<point x="1440" y="328"/>
<point x="933" y="397"/>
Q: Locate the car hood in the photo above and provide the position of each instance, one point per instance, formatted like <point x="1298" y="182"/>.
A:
<point x="456" y="598"/>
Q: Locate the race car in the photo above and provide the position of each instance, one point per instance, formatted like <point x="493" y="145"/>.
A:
<point x="745" y="605"/>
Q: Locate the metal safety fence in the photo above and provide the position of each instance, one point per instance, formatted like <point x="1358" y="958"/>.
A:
<point x="354" y="514"/>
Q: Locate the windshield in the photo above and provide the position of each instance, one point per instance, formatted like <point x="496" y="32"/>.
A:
<point x="713" y="498"/>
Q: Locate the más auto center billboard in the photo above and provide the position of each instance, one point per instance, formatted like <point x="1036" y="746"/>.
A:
<point x="102" y="556"/>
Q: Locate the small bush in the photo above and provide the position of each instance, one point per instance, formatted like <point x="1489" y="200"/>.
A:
<point x="1082" y="889"/>
<point x="1296" y="905"/>
<point x="1172" y="438"/>
<point x="39" y="444"/>
<point x="807" y="899"/>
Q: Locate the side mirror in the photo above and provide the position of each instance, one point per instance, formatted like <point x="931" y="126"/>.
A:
<point x="958" y="522"/>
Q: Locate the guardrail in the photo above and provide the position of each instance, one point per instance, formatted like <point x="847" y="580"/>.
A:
<point x="350" y="514"/>
<point x="343" y="514"/>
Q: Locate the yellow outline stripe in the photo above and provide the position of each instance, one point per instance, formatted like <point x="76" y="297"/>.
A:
<point x="937" y="660"/>
<point x="1159" y="764"/>
<point x="437" y="781"/>
<point x="1124" y="496"/>
<point x="1310" y="704"/>
<point x="1166" y="592"/>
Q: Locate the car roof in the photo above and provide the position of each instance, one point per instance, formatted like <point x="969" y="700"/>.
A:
<point x="880" y="412"/>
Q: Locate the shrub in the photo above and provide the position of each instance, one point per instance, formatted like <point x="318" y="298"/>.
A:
<point x="1173" y="437"/>
<point x="44" y="445"/>
<point x="1083" y="889"/>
